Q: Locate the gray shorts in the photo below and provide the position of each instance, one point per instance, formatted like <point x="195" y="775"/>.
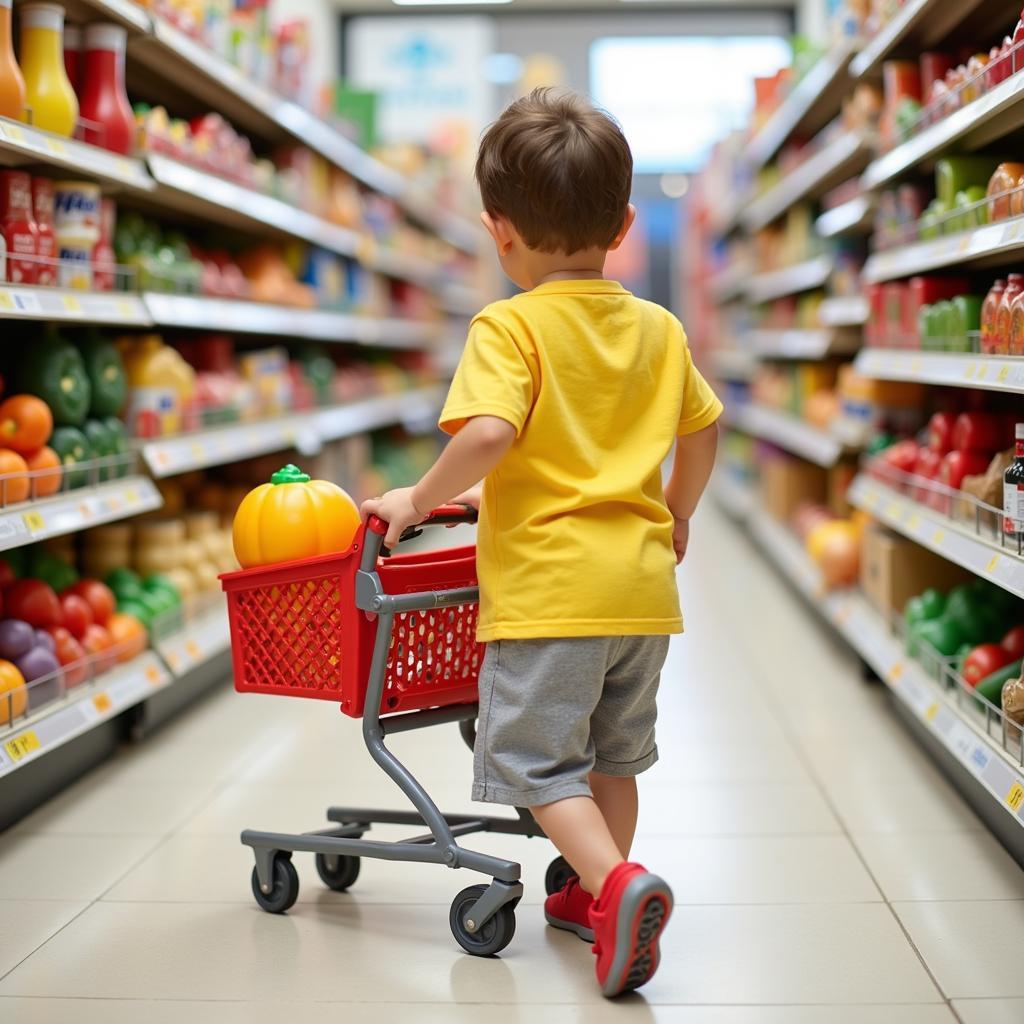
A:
<point x="552" y="711"/>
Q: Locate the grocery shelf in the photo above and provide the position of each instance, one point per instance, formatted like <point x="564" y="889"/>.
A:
<point x="83" y="709"/>
<point x="123" y="12"/>
<point x="801" y="277"/>
<point x="209" y="314"/>
<point x="844" y="311"/>
<point x="733" y="364"/>
<point x="26" y="302"/>
<point x="21" y="145"/>
<point x="306" y="431"/>
<point x="802" y="344"/>
<point x="27" y="522"/>
<point x="836" y="162"/>
<point x="991" y="244"/>
<point x="991" y="117"/>
<point x="730" y="284"/>
<point x="788" y="432"/>
<point x="176" y="58"/>
<point x="855" y="217"/>
<point x="198" y="641"/>
<point x="954" y="369"/>
<point x="946" y="537"/>
<point x="811" y="104"/>
<point x="950" y="723"/>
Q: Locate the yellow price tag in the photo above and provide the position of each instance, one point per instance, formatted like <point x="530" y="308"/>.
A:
<point x="152" y="674"/>
<point x="932" y="711"/>
<point x="892" y="510"/>
<point x="914" y="521"/>
<point x="6" y="300"/>
<point x="174" y="660"/>
<point x="125" y="309"/>
<point x="102" y="703"/>
<point x="22" y="745"/>
<point x="1004" y="372"/>
<point x="193" y="649"/>
<point x="993" y="562"/>
<point x="969" y="372"/>
<point x="198" y="451"/>
<point x="14" y="133"/>
<point x="896" y="672"/>
<point x="34" y="521"/>
<point x="1015" y="797"/>
<point x="71" y="304"/>
<point x="131" y="496"/>
<point x="56" y="147"/>
<point x="938" y="536"/>
<point x="982" y="372"/>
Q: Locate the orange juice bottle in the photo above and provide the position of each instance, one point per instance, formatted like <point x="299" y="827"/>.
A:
<point x="52" y="103"/>
<point x="12" y="85"/>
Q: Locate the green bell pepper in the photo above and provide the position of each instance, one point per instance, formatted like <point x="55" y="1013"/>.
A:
<point x="119" y="434"/>
<point x="53" y="370"/>
<point x="103" y="445"/>
<point x="72" y="447"/>
<point x="50" y="568"/>
<point x="105" y="367"/>
<point x="124" y="583"/>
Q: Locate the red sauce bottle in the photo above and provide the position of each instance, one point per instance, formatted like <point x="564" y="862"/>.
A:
<point x="19" y="227"/>
<point x="104" y="105"/>
<point x="42" y="209"/>
<point x="1004" y="315"/>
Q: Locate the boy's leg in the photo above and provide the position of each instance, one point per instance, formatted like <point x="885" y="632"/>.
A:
<point x="578" y="828"/>
<point x="617" y="800"/>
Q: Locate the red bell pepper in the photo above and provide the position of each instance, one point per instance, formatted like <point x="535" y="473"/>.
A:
<point x="978" y="432"/>
<point x="958" y="464"/>
<point x="927" y="467"/>
<point x="983" y="661"/>
<point x="940" y="432"/>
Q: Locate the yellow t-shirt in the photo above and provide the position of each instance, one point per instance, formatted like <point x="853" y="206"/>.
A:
<point x="575" y="538"/>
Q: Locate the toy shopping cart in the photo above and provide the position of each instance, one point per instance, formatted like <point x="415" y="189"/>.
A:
<point x="392" y="639"/>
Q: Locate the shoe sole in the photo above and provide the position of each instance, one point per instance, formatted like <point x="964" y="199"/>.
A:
<point x="585" y="933"/>
<point x="644" y="910"/>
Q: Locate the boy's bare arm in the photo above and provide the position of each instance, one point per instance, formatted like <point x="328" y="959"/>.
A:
<point x="691" y="470"/>
<point x="474" y="451"/>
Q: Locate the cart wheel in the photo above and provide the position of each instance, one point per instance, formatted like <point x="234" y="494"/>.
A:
<point x="558" y="874"/>
<point x="285" y="887"/>
<point x="493" y="937"/>
<point x="341" y="875"/>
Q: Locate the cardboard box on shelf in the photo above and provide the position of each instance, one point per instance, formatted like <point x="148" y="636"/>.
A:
<point x="840" y="476"/>
<point x="788" y="483"/>
<point x="893" y="569"/>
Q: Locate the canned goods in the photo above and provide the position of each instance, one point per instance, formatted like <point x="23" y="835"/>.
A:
<point x="75" y="255"/>
<point x="77" y="209"/>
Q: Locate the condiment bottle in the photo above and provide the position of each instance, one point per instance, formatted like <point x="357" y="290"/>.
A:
<point x="12" y="85"/>
<point x="52" y="104"/>
<point x="42" y="209"/>
<point x="1016" y="346"/>
<point x="103" y="259"/>
<point x="1013" y="488"/>
<point x="19" y="227"/>
<point x="108" y="117"/>
<point x="1014" y="287"/>
<point x="73" y="55"/>
<point x="989" y="311"/>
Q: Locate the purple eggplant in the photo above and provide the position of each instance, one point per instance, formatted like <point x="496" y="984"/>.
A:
<point x="37" y="663"/>
<point x="43" y="639"/>
<point x="17" y="638"/>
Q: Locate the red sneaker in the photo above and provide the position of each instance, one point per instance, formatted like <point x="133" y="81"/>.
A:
<point x="569" y="908"/>
<point x="628" y="919"/>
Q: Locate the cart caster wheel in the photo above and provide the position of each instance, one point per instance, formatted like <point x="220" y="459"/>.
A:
<point x="285" y="887"/>
<point x="558" y="874"/>
<point x="337" y="872"/>
<point x="493" y="937"/>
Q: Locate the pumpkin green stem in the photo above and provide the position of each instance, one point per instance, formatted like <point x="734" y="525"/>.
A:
<point x="290" y="475"/>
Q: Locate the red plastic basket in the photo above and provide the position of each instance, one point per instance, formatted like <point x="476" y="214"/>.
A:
<point x="296" y="631"/>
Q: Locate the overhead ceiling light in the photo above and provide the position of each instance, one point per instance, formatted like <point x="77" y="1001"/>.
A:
<point x="447" y="3"/>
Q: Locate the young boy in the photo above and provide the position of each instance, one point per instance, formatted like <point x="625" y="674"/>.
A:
<point x="566" y="403"/>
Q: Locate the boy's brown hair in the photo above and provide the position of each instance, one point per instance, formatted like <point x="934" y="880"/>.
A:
<point x="558" y="169"/>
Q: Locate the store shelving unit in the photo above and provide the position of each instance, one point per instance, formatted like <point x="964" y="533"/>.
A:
<point x="733" y="364"/>
<point x="801" y="277"/>
<point x="838" y="161"/>
<point x="788" y="432"/>
<point x="25" y="302"/>
<point x="802" y="344"/>
<point x="730" y="284"/>
<point x="811" y="104"/>
<point x="952" y="369"/>
<point x="854" y="217"/>
<point x="844" y="311"/>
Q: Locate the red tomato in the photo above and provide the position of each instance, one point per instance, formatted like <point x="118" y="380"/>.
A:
<point x="98" y="596"/>
<point x="978" y="432"/>
<point x="983" y="661"/>
<point x="76" y="614"/>
<point x="71" y="655"/>
<point x="958" y="464"/>
<point x="1014" y="642"/>
<point x="97" y="642"/>
<point x="33" y="601"/>
<point x="902" y="455"/>
<point x="940" y="432"/>
<point x="927" y="466"/>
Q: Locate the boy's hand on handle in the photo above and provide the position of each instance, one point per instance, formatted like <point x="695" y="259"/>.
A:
<point x="396" y="508"/>
<point x="471" y="497"/>
<point x="680" y="537"/>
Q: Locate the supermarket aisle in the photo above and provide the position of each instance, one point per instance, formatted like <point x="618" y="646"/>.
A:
<point x="824" y="871"/>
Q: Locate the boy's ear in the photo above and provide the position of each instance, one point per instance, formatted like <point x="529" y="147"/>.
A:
<point x="500" y="230"/>
<point x="627" y="223"/>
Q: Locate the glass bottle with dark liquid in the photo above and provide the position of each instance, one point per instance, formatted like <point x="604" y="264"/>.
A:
<point x="1013" y="490"/>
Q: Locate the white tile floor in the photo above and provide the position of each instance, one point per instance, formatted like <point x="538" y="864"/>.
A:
<point x="825" y="872"/>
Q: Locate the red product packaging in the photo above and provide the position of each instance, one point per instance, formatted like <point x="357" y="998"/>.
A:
<point x="104" y="272"/>
<point x="19" y="227"/>
<point x="894" y="316"/>
<point x="876" y="334"/>
<point x="42" y="208"/>
<point x="933" y="69"/>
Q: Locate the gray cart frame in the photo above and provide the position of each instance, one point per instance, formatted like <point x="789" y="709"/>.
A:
<point x="482" y="916"/>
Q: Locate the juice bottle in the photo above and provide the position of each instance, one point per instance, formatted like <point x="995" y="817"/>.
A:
<point x="160" y="382"/>
<point x="989" y="309"/>
<point x="52" y="104"/>
<point x="42" y="209"/>
<point x="12" y="85"/>
<point x="19" y="227"/>
<point x="73" y="54"/>
<point x="110" y="122"/>
<point x="1004" y="315"/>
<point x="1017" y="326"/>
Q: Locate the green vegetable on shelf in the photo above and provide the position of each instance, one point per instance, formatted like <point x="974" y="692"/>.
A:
<point x="124" y="582"/>
<point x="53" y="370"/>
<point x="103" y="445"/>
<point x="142" y="612"/>
<point x="991" y="687"/>
<point x="944" y="635"/>
<point x="159" y="584"/>
<point x="50" y="568"/>
<point x="119" y="435"/>
<point x="72" y="448"/>
<point x="107" y="379"/>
